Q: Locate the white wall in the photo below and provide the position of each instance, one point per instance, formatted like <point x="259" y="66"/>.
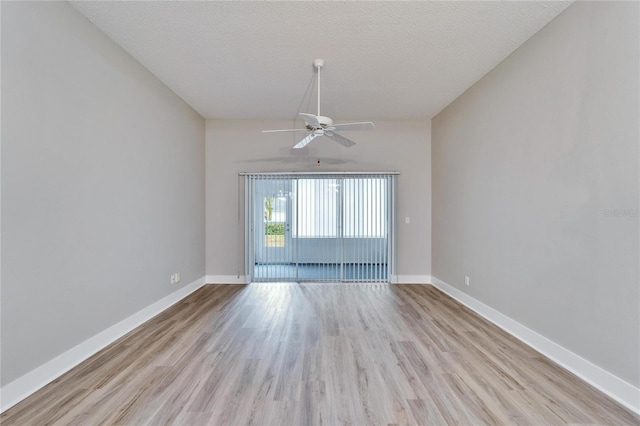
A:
<point x="239" y="146"/>
<point x="528" y="164"/>
<point x="102" y="185"/>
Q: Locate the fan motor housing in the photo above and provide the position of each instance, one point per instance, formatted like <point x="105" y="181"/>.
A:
<point x="324" y="121"/>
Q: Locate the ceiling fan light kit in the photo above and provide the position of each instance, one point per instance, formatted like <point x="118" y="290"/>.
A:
<point x="319" y="125"/>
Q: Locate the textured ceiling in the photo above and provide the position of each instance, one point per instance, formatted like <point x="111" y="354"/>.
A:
<point x="383" y="60"/>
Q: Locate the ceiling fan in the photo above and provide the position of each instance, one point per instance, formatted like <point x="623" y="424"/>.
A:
<point x="319" y="125"/>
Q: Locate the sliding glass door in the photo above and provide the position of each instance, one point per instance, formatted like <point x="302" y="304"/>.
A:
<point x="320" y="227"/>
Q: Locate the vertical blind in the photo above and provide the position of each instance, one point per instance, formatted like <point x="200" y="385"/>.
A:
<point x="320" y="227"/>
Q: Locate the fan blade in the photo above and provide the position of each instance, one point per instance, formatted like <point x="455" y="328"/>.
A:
<point x="306" y="140"/>
<point x="365" y="125"/>
<point x="310" y="119"/>
<point x="285" y="130"/>
<point x="340" y="139"/>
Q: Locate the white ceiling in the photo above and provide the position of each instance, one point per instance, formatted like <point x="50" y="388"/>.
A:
<point x="384" y="60"/>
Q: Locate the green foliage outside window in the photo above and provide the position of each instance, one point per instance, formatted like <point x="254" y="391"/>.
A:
<point x="274" y="229"/>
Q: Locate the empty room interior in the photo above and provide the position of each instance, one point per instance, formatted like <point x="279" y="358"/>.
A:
<point x="293" y="213"/>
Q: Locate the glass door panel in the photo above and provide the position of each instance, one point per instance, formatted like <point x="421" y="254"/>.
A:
<point x="321" y="228"/>
<point x="274" y="254"/>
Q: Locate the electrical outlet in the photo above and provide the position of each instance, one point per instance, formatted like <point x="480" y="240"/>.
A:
<point x="177" y="274"/>
<point x="173" y="278"/>
<point x="466" y="280"/>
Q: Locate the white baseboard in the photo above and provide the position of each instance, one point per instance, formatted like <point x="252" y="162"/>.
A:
<point x="243" y="279"/>
<point x="411" y="279"/>
<point x="24" y="386"/>
<point x="227" y="279"/>
<point x="623" y="392"/>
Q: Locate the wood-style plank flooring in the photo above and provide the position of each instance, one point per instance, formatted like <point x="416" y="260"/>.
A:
<point x="301" y="354"/>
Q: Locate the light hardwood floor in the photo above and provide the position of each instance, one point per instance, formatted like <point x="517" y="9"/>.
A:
<point x="289" y="354"/>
